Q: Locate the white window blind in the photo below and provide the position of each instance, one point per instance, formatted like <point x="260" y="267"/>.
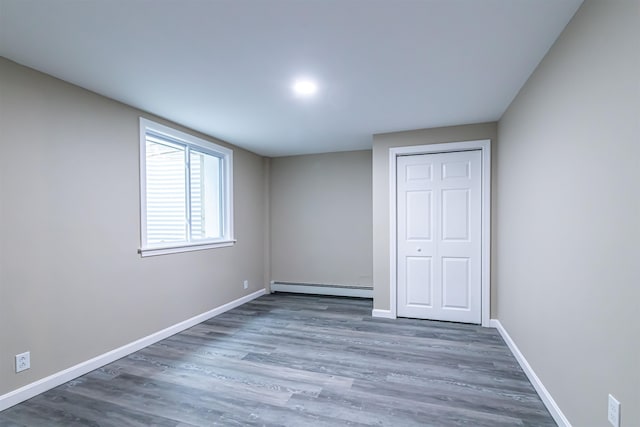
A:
<point x="166" y="192"/>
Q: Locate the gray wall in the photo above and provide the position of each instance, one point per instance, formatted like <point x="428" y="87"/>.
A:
<point x="321" y="230"/>
<point x="72" y="285"/>
<point x="568" y="212"/>
<point x="381" y="145"/>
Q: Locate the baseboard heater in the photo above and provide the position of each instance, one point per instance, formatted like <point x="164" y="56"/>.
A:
<point x="323" y="289"/>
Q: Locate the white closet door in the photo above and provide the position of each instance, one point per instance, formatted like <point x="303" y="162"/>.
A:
<point x="439" y="236"/>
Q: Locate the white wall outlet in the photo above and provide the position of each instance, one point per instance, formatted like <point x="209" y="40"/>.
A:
<point x="245" y="285"/>
<point x="613" y="413"/>
<point x="23" y="361"/>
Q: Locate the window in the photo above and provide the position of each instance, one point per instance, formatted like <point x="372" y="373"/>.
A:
<point x="186" y="191"/>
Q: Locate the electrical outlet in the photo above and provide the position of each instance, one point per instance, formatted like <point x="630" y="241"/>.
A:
<point x="613" y="413"/>
<point x="246" y="284"/>
<point x="23" y="361"/>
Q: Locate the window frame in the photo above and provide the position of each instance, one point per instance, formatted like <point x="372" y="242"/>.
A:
<point x="200" y="145"/>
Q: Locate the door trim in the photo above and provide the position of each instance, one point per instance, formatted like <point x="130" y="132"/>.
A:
<point x="485" y="147"/>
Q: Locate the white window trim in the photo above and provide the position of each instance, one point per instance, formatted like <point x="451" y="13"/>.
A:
<point x="225" y="153"/>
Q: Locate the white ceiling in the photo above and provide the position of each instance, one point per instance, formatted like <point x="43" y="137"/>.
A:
<point x="225" y="67"/>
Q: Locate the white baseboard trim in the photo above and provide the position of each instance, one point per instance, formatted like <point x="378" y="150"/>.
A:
<point x="320" y="289"/>
<point x="385" y="314"/>
<point x="30" y="390"/>
<point x="544" y="394"/>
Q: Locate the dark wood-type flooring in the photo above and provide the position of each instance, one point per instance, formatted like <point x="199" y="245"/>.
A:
<point x="299" y="360"/>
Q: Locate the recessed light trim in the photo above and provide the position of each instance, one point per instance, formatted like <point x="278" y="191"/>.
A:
<point x="305" y="87"/>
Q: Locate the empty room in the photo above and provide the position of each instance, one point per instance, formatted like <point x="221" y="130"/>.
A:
<point x="320" y="213"/>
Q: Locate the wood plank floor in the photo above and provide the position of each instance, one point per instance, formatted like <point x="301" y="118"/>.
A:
<point x="300" y="360"/>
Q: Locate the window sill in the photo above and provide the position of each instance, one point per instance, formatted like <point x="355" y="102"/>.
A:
<point x="173" y="249"/>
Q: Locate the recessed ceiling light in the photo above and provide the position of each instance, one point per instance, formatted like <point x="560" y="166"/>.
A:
<point x="305" y="87"/>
